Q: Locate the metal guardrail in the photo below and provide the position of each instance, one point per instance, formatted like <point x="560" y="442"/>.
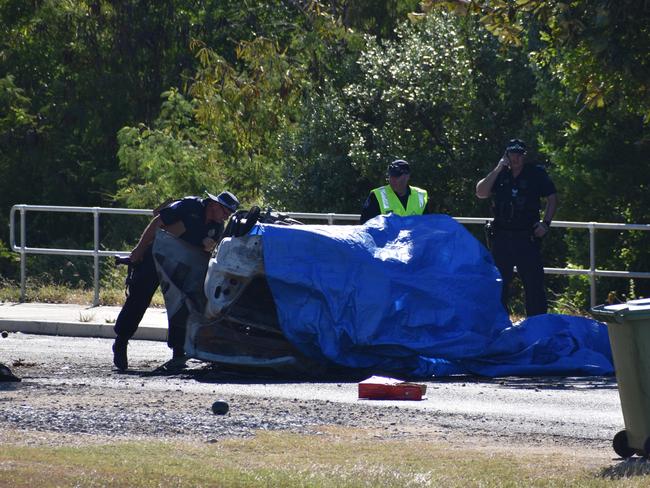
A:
<point x="330" y="218"/>
<point x="96" y="253"/>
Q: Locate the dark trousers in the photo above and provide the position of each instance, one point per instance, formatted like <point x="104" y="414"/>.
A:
<point x="143" y="284"/>
<point x="523" y="250"/>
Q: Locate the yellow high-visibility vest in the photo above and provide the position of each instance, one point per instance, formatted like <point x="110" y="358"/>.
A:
<point x="389" y="201"/>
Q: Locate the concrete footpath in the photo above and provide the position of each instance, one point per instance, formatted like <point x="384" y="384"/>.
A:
<point x="76" y="320"/>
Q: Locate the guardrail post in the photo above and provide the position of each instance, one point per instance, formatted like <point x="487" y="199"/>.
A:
<point x="96" y="255"/>
<point x="23" y="256"/>
<point x="330" y="218"/>
<point x="592" y="262"/>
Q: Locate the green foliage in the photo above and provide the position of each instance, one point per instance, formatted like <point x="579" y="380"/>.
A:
<point x="317" y="172"/>
<point x="77" y="72"/>
<point x="601" y="176"/>
<point x="413" y="101"/>
<point x="246" y="109"/>
<point x="172" y="159"/>
<point x="246" y="101"/>
<point x="590" y="118"/>
<point x="301" y="104"/>
<point x="9" y="262"/>
<point x="428" y="96"/>
<point x="14" y="108"/>
<point x="378" y="19"/>
<point x="17" y="127"/>
<point x="595" y="48"/>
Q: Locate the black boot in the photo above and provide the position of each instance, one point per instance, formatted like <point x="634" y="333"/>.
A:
<point x="120" y="359"/>
<point x="178" y="352"/>
<point x="178" y="360"/>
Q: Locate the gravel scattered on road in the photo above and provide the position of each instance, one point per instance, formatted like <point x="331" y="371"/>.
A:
<point x="70" y="391"/>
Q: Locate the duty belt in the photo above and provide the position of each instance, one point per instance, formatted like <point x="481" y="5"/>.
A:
<point x="513" y="231"/>
<point x="517" y="234"/>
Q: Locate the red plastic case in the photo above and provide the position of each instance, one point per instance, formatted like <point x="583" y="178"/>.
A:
<point x="381" y="388"/>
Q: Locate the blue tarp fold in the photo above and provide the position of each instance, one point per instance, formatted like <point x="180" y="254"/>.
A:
<point x="417" y="296"/>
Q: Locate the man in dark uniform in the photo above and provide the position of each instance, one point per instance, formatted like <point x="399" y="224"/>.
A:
<point x="516" y="232"/>
<point x="397" y="197"/>
<point x="195" y="220"/>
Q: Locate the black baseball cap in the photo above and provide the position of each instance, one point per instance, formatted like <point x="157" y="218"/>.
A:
<point x="226" y="199"/>
<point x="398" y="167"/>
<point x="516" y="146"/>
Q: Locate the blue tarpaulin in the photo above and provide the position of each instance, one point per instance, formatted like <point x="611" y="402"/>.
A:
<point x="417" y="296"/>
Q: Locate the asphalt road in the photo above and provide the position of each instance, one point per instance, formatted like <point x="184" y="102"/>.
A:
<point x="72" y="378"/>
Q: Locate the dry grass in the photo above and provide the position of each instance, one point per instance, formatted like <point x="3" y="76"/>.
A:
<point x="330" y="458"/>
<point x="48" y="293"/>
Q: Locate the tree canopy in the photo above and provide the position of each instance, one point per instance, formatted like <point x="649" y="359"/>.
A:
<point x="301" y="104"/>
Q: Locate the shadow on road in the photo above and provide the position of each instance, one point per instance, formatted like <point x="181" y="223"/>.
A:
<point x="541" y="382"/>
<point x="213" y="373"/>
<point x="627" y="469"/>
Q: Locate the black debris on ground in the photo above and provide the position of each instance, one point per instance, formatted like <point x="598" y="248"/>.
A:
<point x="6" y="374"/>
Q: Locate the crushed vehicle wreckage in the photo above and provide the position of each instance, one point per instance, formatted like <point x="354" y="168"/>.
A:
<point x="225" y="300"/>
<point x="412" y="296"/>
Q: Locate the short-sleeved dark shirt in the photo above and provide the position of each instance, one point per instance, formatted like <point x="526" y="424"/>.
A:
<point x="191" y="211"/>
<point x="516" y="201"/>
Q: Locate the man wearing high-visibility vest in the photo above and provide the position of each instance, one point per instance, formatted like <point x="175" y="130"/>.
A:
<point x="397" y="197"/>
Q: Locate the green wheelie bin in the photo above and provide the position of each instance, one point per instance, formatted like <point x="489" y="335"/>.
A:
<point x="628" y="327"/>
